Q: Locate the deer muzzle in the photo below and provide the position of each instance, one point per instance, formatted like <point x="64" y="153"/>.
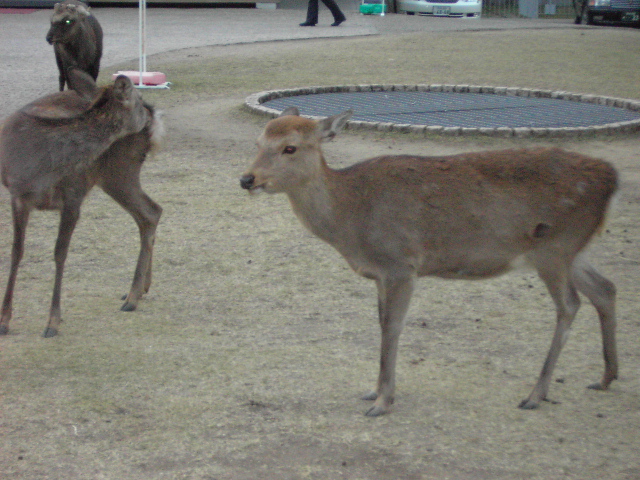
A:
<point x="247" y="182"/>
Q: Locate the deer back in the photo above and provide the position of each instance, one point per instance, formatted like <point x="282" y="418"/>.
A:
<point x="62" y="135"/>
<point x="472" y="215"/>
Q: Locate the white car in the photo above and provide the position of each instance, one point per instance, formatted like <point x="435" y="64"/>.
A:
<point x="442" y="8"/>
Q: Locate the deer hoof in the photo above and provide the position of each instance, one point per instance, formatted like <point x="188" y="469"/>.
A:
<point x="376" y="411"/>
<point x="593" y="386"/>
<point x="128" y="307"/>
<point x="369" y="396"/>
<point x="528" y="405"/>
<point x="49" y="332"/>
<point x="4" y="330"/>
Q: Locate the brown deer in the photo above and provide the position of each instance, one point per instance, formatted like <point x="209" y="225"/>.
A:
<point x="54" y="150"/>
<point x="76" y="37"/>
<point x="469" y="216"/>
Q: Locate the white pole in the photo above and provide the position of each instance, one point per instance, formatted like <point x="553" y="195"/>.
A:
<point x="153" y="79"/>
<point x="142" y="24"/>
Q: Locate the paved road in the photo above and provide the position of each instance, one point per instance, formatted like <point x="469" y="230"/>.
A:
<point x="29" y="70"/>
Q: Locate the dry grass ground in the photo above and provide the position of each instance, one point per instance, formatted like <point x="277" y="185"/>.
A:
<point x="246" y="359"/>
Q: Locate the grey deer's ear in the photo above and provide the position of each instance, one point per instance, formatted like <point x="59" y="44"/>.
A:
<point x="290" y="111"/>
<point x="329" y="127"/>
<point x="82" y="11"/>
<point x="123" y="89"/>
<point x="82" y="83"/>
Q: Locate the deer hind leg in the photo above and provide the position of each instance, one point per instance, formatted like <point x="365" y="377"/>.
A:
<point x="394" y="296"/>
<point x="602" y="294"/>
<point x="68" y="220"/>
<point x="565" y="296"/>
<point x="20" y="221"/>
<point x="129" y="195"/>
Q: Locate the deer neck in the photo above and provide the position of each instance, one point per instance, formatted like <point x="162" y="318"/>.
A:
<point x="314" y="205"/>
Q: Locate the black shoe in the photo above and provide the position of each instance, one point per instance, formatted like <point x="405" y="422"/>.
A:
<point x="338" y="22"/>
<point x="307" y="24"/>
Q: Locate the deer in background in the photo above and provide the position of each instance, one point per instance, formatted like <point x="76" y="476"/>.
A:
<point x="76" y="37"/>
<point x="470" y="216"/>
<point x="54" y="150"/>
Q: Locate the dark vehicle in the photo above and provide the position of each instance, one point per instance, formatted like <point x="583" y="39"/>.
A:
<point x="619" y="11"/>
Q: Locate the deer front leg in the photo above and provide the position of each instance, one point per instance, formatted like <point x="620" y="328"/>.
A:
<point x="62" y="77"/>
<point x="68" y="219"/>
<point x="20" y="220"/>
<point x="394" y="296"/>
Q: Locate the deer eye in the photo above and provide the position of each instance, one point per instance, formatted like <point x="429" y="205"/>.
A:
<point x="68" y="22"/>
<point x="289" y="149"/>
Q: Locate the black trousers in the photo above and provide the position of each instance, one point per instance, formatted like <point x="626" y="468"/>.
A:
<point x="312" y="11"/>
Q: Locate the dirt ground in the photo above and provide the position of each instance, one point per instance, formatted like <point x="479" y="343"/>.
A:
<point x="247" y="358"/>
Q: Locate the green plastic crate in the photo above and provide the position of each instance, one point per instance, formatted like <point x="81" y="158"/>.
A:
<point x="373" y="8"/>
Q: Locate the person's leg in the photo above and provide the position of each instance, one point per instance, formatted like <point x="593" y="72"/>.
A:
<point x="312" y="14"/>
<point x="338" y="16"/>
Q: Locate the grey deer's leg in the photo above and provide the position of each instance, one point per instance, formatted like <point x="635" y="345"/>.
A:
<point x="68" y="219"/>
<point x="124" y="187"/>
<point x="20" y="220"/>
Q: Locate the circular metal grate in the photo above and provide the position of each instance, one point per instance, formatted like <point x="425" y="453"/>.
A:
<point x="459" y="109"/>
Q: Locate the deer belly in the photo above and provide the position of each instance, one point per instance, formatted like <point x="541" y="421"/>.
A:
<point x="467" y="269"/>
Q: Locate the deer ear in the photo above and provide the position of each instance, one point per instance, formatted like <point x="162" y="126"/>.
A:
<point x="329" y="127"/>
<point x="81" y="82"/>
<point x="290" y="111"/>
<point x="83" y="11"/>
<point x="123" y="88"/>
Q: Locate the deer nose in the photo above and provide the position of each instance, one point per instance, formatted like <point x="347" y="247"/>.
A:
<point x="246" y="181"/>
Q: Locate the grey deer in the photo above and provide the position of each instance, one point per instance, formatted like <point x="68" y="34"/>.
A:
<point x="54" y="150"/>
<point x="470" y="216"/>
<point x="76" y="37"/>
